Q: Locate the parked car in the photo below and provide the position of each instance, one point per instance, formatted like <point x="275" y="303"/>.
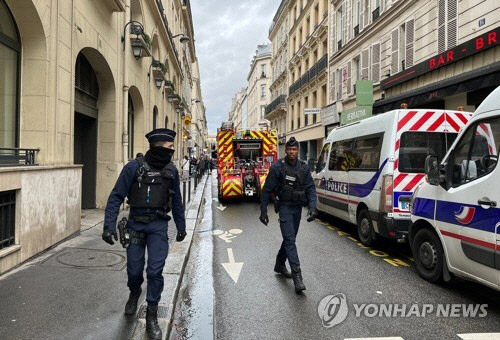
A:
<point x="366" y="167"/>
<point x="455" y="215"/>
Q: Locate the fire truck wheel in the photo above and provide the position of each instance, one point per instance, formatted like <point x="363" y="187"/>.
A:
<point x="365" y="228"/>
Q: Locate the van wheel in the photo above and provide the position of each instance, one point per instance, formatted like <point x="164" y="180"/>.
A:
<point x="365" y="228"/>
<point x="428" y="254"/>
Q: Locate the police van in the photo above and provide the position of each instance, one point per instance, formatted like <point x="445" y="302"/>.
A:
<point x="455" y="214"/>
<point x="365" y="168"/>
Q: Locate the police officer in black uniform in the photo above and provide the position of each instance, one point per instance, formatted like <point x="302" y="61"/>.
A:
<point x="290" y="181"/>
<point x="151" y="184"/>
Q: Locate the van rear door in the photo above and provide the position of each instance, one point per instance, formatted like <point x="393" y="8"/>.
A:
<point x="420" y="133"/>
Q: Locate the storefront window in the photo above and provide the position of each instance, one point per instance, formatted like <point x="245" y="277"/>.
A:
<point x="9" y="71"/>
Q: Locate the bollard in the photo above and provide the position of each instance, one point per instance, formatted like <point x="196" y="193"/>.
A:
<point x="184" y="193"/>
<point x="189" y="189"/>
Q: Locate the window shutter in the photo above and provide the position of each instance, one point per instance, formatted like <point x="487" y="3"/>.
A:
<point x="395" y="52"/>
<point x="344" y="20"/>
<point x="333" y="32"/>
<point x="333" y="89"/>
<point x="349" y="28"/>
<point x="376" y="63"/>
<point x="364" y="64"/>
<point x="349" y="82"/>
<point x="368" y="13"/>
<point x="410" y="42"/>
<point x="452" y="29"/>
<point x="441" y="26"/>
<point x="339" y="84"/>
<point x="361" y="15"/>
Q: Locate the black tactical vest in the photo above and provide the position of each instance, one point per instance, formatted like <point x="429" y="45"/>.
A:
<point x="152" y="188"/>
<point x="292" y="184"/>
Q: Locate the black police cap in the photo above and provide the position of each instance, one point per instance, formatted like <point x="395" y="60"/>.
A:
<point x="161" y="135"/>
<point x="292" y="142"/>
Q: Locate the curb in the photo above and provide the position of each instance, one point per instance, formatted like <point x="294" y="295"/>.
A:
<point x="173" y="271"/>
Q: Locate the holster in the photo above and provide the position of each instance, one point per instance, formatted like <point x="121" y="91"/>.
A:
<point x="123" y="232"/>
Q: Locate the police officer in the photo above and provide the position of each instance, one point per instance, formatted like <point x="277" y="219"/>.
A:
<point x="151" y="184"/>
<point x="291" y="182"/>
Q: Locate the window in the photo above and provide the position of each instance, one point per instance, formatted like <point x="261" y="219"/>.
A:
<point x="10" y="49"/>
<point x="322" y="157"/>
<point x="476" y="154"/>
<point x="262" y="91"/>
<point x="366" y="153"/>
<point x="8" y="215"/>
<point x="155" y="117"/>
<point x="447" y="24"/>
<point x="416" y="146"/>
<point x="263" y="70"/>
<point x="340" y="156"/>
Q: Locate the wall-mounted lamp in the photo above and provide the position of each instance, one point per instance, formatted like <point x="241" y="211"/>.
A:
<point x="137" y="29"/>
<point x="159" y="78"/>
<point x="184" y="39"/>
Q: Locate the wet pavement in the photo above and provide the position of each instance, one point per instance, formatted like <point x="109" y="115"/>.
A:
<point x="252" y="302"/>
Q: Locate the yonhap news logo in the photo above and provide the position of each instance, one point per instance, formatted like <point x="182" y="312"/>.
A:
<point x="334" y="309"/>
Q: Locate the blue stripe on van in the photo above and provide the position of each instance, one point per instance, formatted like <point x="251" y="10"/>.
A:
<point x="483" y="219"/>
<point x="363" y="190"/>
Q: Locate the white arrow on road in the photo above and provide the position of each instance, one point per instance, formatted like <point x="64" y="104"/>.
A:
<point x="221" y="207"/>
<point x="232" y="268"/>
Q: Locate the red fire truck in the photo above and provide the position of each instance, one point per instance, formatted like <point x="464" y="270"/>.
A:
<point x="244" y="159"/>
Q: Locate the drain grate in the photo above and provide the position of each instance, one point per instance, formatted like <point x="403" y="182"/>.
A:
<point x="83" y="258"/>
<point x="162" y="312"/>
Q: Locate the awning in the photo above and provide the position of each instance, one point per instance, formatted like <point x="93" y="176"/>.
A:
<point x="480" y="78"/>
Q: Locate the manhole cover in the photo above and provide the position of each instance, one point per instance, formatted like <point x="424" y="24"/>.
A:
<point x="88" y="259"/>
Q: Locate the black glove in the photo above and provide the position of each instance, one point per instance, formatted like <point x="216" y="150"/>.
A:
<point x="107" y="236"/>
<point x="313" y="213"/>
<point x="181" y="235"/>
<point x="264" y="218"/>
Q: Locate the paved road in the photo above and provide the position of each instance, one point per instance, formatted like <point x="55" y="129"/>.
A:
<point x="264" y="305"/>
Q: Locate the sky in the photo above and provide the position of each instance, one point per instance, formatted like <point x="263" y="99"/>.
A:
<point x="226" y="34"/>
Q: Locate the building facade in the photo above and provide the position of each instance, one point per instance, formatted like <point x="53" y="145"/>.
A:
<point x="307" y="74"/>
<point x="81" y="84"/>
<point x="258" y="85"/>
<point x="436" y="54"/>
<point x="276" y="111"/>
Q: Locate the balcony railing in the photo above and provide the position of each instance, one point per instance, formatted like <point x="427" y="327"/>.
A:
<point x="17" y="157"/>
<point x="275" y="103"/>
<point x="314" y="71"/>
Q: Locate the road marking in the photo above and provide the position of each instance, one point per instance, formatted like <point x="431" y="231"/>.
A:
<point x="232" y="268"/>
<point x="221" y="207"/>
<point x="386" y="338"/>
<point x="479" y="336"/>
<point x="227" y="236"/>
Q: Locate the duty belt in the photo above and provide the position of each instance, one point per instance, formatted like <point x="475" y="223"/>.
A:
<point x="145" y="218"/>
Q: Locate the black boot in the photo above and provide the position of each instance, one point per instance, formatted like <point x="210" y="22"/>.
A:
<point x="131" y="306"/>
<point x="297" y="280"/>
<point x="152" y="327"/>
<point x="280" y="268"/>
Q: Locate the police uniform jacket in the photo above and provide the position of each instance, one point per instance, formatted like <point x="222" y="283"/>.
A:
<point x="122" y="189"/>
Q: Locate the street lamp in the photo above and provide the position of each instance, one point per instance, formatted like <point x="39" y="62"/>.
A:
<point x="136" y="29"/>
<point x="184" y="39"/>
<point x="158" y="75"/>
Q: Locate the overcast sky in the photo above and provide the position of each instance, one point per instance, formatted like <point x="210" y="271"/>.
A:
<point x="227" y="33"/>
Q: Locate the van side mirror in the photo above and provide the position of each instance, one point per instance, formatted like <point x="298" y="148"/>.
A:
<point x="432" y="169"/>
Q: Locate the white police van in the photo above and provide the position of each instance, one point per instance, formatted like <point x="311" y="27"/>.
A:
<point x="455" y="214"/>
<point x="366" y="167"/>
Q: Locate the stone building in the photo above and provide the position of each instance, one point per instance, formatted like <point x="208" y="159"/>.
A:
<point x="276" y="111"/>
<point x="436" y="54"/>
<point x="258" y="85"/>
<point x="81" y="82"/>
<point x="307" y="73"/>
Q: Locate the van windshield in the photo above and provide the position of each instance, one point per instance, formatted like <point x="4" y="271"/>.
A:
<point x="416" y="146"/>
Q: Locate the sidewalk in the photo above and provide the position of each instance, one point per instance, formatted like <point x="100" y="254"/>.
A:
<point x="78" y="289"/>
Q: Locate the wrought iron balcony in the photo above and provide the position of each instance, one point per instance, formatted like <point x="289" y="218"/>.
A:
<point x="17" y="156"/>
<point x="280" y="100"/>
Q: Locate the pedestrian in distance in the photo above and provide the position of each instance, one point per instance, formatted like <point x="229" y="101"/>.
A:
<point x="151" y="184"/>
<point x="185" y="168"/>
<point x="290" y="181"/>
